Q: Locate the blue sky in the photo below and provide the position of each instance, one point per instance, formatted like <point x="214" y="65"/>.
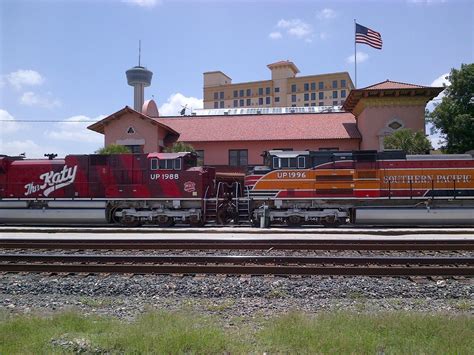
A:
<point x="65" y="60"/>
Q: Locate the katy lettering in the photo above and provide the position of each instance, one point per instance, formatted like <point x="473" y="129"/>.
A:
<point x="52" y="181"/>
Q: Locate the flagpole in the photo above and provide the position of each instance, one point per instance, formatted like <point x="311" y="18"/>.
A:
<point x="355" y="53"/>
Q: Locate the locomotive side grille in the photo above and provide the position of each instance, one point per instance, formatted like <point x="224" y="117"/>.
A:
<point x="334" y="178"/>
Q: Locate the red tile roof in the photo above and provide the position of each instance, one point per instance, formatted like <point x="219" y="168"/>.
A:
<point x="392" y="85"/>
<point x="264" y="127"/>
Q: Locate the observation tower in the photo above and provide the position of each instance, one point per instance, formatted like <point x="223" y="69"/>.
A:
<point x="139" y="77"/>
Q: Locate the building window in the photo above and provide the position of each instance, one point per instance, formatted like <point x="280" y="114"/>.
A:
<point x="236" y="103"/>
<point x="306" y="97"/>
<point x="321" y="103"/>
<point x="321" y="85"/>
<point x="238" y="157"/>
<point x="249" y="92"/>
<point x="277" y="99"/>
<point x="221" y="104"/>
<point x="216" y="96"/>
<point x="293" y="105"/>
<point x="221" y="95"/>
<point x="293" y="98"/>
<point x="334" y="94"/>
<point x="306" y="87"/>
<point x="135" y="149"/>
<point x="241" y="102"/>
<point x="267" y="91"/>
<point x="313" y="96"/>
<point x="200" y="157"/>
<point x="313" y="86"/>
<point x="293" y="87"/>
<point x="277" y="89"/>
<point x="343" y="83"/>
<point x="236" y="93"/>
<point x="343" y="93"/>
<point x="267" y="100"/>
<point x="334" y="84"/>
<point x="260" y="101"/>
<point x="130" y="130"/>
<point x="313" y="103"/>
<point x="334" y="103"/>
<point x="260" y="91"/>
<point x="306" y="104"/>
<point x="321" y="95"/>
<point x="249" y="102"/>
<point x="216" y="104"/>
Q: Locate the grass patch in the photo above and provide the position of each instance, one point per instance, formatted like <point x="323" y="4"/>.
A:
<point x="177" y="333"/>
<point x="391" y="333"/>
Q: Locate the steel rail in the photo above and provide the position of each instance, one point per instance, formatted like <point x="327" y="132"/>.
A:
<point x="235" y="259"/>
<point x="208" y="244"/>
<point x="238" y="265"/>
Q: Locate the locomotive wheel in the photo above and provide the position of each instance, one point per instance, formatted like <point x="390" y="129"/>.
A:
<point x="332" y="221"/>
<point x="194" y="221"/>
<point x="129" y="221"/>
<point x="294" y="221"/>
<point x="165" y="221"/>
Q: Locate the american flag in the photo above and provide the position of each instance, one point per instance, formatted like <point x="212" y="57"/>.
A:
<point x="367" y="36"/>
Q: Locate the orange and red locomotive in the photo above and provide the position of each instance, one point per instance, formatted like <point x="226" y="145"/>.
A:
<point x="291" y="187"/>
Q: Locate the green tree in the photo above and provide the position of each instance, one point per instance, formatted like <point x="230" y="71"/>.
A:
<point x="179" y="147"/>
<point x="114" y="149"/>
<point x="408" y="141"/>
<point x="454" y="116"/>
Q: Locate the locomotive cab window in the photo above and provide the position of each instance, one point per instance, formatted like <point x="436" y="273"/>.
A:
<point x="165" y="164"/>
<point x="286" y="162"/>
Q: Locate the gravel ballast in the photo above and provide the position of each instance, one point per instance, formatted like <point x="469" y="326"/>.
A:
<point x="126" y="296"/>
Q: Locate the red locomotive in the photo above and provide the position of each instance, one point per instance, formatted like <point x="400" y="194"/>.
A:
<point x="292" y="187"/>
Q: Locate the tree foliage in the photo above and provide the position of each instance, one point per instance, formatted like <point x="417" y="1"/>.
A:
<point x="180" y="147"/>
<point x="113" y="149"/>
<point x="454" y="116"/>
<point x="407" y="140"/>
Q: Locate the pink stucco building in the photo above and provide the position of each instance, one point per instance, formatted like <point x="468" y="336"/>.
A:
<point x="368" y="115"/>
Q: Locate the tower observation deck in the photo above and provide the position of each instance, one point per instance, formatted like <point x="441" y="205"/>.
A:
<point x="139" y="77"/>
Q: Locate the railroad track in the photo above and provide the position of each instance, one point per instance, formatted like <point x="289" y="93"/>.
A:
<point x="239" y="265"/>
<point x="220" y="244"/>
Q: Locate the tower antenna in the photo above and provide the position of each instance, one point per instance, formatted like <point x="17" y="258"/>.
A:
<point x="139" y="51"/>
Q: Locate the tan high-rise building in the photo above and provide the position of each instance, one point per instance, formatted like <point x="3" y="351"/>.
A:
<point x="283" y="90"/>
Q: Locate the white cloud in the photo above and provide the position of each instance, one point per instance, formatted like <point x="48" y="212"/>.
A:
<point x="74" y="129"/>
<point x="361" y="57"/>
<point x="22" y="77"/>
<point x="31" y="148"/>
<point x="29" y="98"/>
<point x="326" y="14"/>
<point x="8" y="124"/>
<point x="438" y="82"/>
<point x="143" y="3"/>
<point x="275" y="35"/>
<point x="441" y="80"/>
<point x="175" y="103"/>
<point x="296" y="28"/>
<point x="323" y="36"/>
